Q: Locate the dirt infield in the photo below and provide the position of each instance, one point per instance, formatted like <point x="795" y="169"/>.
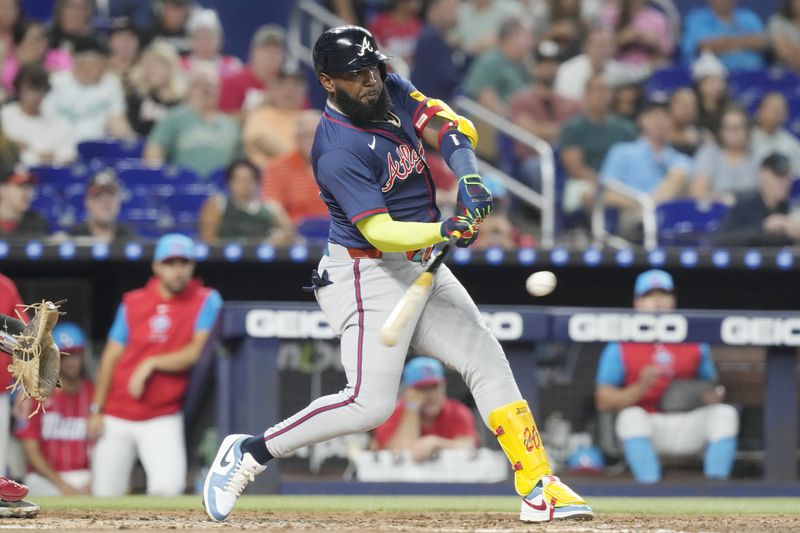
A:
<point x="113" y="520"/>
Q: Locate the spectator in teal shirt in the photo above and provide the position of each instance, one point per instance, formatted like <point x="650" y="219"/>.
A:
<point x="734" y="34"/>
<point x="495" y="75"/>
<point x="197" y="135"/>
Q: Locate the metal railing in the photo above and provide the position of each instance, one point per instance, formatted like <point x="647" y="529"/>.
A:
<point x="544" y="201"/>
<point x="648" y="209"/>
<point x="318" y="18"/>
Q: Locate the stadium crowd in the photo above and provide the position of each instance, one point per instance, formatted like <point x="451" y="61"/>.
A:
<point x="622" y="90"/>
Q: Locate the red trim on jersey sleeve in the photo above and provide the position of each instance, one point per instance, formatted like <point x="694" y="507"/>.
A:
<point x="369" y="213"/>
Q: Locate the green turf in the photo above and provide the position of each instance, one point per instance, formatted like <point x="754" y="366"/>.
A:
<point x="673" y="506"/>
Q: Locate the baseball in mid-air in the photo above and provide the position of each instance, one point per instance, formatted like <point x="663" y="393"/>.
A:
<point x="541" y="283"/>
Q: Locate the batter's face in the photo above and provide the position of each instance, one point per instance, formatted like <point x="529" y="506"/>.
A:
<point x="655" y="301"/>
<point x="433" y="398"/>
<point x="174" y="274"/>
<point x="361" y="94"/>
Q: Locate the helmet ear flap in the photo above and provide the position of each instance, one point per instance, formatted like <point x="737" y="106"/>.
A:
<point x="382" y="68"/>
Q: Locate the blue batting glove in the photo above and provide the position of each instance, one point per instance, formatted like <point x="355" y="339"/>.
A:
<point x="474" y="199"/>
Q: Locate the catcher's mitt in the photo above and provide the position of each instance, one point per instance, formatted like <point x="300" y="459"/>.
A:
<point x="36" y="359"/>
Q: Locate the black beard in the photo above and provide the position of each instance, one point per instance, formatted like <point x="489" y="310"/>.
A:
<point x="362" y="113"/>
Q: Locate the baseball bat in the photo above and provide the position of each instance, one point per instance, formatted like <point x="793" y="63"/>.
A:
<point x="415" y="297"/>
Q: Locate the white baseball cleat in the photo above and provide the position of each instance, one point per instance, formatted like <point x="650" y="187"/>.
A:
<point x="551" y="500"/>
<point x="18" y="509"/>
<point x="228" y="476"/>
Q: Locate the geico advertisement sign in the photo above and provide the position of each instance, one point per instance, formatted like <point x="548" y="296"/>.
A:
<point x="760" y="331"/>
<point x="269" y="323"/>
<point x="623" y="327"/>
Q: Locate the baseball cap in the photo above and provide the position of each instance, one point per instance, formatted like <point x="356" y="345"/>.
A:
<point x="422" y="371"/>
<point x="105" y="180"/>
<point x="777" y="163"/>
<point x="69" y="337"/>
<point x="174" y="245"/>
<point x="653" y="280"/>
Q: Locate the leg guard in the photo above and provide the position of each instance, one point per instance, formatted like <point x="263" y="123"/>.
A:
<point x="516" y="431"/>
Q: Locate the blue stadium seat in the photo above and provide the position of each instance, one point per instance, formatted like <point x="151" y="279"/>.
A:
<point x="217" y="179"/>
<point x="315" y="229"/>
<point x="663" y="82"/>
<point x="47" y="202"/>
<point x="155" y="183"/>
<point x="111" y="149"/>
<point x="793" y="122"/>
<point x="794" y="195"/>
<point x="688" y="222"/>
<point x="135" y="173"/>
<point x="62" y="177"/>
<point x="149" y="222"/>
<point x="749" y="87"/>
<point x="184" y="208"/>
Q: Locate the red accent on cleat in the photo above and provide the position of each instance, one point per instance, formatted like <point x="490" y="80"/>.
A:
<point x="552" y="508"/>
<point x="499" y="431"/>
<point x="517" y="466"/>
<point x="11" y="491"/>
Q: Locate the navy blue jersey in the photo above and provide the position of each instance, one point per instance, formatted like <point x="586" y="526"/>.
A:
<point x="381" y="169"/>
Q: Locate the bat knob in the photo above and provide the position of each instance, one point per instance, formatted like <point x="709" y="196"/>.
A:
<point x="389" y="338"/>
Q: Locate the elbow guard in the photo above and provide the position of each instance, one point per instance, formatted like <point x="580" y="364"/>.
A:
<point x="433" y="108"/>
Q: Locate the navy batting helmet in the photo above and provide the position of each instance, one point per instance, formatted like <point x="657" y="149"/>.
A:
<point x="347" y="49"/>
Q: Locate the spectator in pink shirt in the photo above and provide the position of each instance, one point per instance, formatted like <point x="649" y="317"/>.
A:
<point x="30" y="46"/>
<point x="642" y="32"/>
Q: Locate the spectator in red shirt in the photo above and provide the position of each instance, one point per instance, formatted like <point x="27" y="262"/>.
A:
<point x="245" y="89"/>
<point x="55" y="439"/>
<point x="425" y="420"/>
<point x="17" y="219"/>
<point x="156" y="337"/>
<point x="397" y="28"/>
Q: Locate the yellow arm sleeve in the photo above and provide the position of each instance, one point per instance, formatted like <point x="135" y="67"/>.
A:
<point x="389" y="235"/>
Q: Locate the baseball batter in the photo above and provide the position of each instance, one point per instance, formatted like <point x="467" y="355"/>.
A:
<point x="369" y="161"/>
